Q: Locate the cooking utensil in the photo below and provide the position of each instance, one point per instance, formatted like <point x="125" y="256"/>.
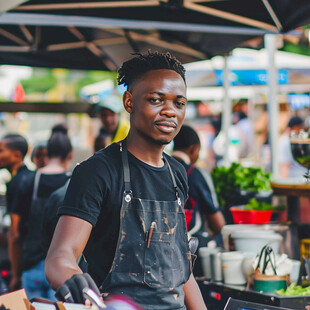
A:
<point x="94" y="298"/>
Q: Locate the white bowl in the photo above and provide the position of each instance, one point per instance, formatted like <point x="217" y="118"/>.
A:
<point x="252" y="241"/>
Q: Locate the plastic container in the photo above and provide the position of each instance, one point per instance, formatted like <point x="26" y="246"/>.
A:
<point x="242" y="216"/>
<point x="252" y="241"/>
<point x="205" y="256"/>
<point x="232" y="268"/>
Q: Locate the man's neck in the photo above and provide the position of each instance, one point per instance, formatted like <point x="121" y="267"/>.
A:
<point x="148" y="152"/>
<point x="14" y="168"/>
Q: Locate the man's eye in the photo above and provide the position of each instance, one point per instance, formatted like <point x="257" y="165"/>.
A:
<point x="155" y="100"/>
<point x="180" y="103"/>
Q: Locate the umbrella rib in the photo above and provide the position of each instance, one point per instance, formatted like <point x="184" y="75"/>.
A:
<point x="131" y="41"/>
<point x="65" y="46"/>
<point x="87" y="5"/>
<point x="12" y="37"/>
<point x="37" y="37"/>
<point x="273" y="14"/>
<point x="92" y="47"/>
<point x="26" y="33"/>
<point x="81" y="44"/>
<point x="172" y="46"/>
<point x="4" y="48"/>
<point x="228" y="16"/>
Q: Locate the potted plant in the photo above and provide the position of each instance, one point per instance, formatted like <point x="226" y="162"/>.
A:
<point x="236" y="185"/>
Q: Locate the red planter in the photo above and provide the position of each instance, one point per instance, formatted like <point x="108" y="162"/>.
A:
<point x="242" y="216"/>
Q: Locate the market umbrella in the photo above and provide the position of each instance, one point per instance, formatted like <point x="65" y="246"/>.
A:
<point x="101" y="34"/>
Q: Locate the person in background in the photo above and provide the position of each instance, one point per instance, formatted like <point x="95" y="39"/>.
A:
<point x="289" y="168"/>
<point x="202" y="197"/>
<point x="39" y="155"/>
<point x="55" y="200"/>
<point x="246" y="127"/>
<point x="202" y="203"/>
<point x="104" y="214"/>
<point x="40" y="186"/>
<point x="101" y="141"/>
<point x="13" y="149"/>
<point x="113" y="125"/>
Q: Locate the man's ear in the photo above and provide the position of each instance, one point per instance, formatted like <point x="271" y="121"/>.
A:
<point x="127" y="101"/>
<point x="192" y="149"/>
<point x="17" y="155"/>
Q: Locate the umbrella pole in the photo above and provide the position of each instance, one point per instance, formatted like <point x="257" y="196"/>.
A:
<point x="226" y="110"/>
<point x="272" y="103"/>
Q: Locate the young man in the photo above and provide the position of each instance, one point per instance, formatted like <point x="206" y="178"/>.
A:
<point x="124" y="206"/>
<point x="13" y="149"/>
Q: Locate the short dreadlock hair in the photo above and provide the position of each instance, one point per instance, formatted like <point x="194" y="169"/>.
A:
<point x="134" y="68"/>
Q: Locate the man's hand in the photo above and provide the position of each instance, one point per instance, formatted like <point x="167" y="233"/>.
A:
<point x="72" y="289"/>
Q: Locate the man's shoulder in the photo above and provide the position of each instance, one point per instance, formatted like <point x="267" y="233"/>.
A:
<point x="105" y="157"/>
<point x="24" y="174"/>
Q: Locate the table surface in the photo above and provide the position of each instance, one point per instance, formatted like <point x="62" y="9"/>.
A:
<point x="291" y="189"/>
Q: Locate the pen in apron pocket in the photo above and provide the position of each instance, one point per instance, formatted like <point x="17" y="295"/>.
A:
<point x="153" y="225"/>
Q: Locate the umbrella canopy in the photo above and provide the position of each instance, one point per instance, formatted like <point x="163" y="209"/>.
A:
<point x="81" y="34"/>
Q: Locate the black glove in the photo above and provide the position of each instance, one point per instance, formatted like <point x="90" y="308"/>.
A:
<point x="72" y="289"/>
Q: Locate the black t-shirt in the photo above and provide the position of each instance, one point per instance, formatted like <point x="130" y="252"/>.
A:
<point x="31" y="222"/>
<point x="16" y="185"/>
<point x="95" y="195"/>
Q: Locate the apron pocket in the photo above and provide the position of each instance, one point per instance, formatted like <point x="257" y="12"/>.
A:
<point x="162" y="268"/>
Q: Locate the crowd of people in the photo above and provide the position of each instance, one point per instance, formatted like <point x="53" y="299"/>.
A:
<point x="127" y="219"/>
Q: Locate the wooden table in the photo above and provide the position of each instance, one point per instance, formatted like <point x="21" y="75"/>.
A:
<point x="293" y="191"/>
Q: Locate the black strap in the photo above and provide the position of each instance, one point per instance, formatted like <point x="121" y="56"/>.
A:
<point x="123" y="148"/>
<point x="173" y="178"/>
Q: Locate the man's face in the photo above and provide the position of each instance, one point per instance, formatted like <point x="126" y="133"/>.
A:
<point x="40" y="158"/>
<point x="109" y="120"/>
<point x="7" y="156"/>
<point x="158" y="108"/>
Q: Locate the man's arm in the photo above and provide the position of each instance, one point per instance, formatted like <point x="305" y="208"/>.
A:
<point x="193" y="297"/>
<point x="15" y="252"/>
<point x="69" y="240"/>
<point x="216" y="221"/>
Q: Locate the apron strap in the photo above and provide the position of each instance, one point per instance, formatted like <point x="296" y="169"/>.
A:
<point x="173" y="180"/>
<point x="123" y="149"/>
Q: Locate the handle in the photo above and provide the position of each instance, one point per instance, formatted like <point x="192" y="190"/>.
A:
<point x="94" y="298"/>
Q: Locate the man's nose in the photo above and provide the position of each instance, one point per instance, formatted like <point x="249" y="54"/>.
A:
<point x="168" y="109"/>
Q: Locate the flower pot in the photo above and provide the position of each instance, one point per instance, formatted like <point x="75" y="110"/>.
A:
<point x="242" y="216"/>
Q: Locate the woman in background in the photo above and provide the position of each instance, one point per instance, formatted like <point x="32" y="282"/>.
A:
<point x="46" y="180"/>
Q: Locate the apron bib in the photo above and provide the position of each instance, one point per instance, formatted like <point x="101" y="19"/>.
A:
<point x="152" y="258"/>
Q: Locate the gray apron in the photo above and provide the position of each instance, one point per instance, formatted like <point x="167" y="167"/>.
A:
<point x="150" y="267"/>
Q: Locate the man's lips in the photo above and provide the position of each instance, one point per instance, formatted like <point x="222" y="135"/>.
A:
<point x="166" y="126"/>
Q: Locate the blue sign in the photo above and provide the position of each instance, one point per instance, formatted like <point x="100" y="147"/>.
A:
<point x="299" y="101"/>
<point x="251" y="77"/>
